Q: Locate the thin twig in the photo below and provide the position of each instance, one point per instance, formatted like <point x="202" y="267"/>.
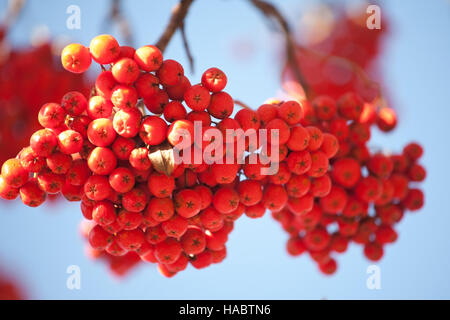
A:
<point x="186" y="47"/>
<point x="242" y="104"/>
<point x="271" y="12"/>
<point x="179" y="13"/>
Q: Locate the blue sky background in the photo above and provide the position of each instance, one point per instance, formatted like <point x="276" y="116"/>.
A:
<point x="37" y="245"/>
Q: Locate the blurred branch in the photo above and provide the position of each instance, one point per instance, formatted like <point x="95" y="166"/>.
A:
<point x="12" y="12"/>
<point x="176" y="22"/>
<point x="119" y="19"/>
<point x="186" y="47"/>
<point x="272" y="13"/>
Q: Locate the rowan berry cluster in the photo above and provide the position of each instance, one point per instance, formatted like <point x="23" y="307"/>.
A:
<point x="106" y="153"/>
<point x="368" y="191"/>
<point x="29" y="77"/>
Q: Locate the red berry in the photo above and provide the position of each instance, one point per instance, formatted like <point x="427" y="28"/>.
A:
<point x="193" y="241"/>
<point x="335" y="201"/>
<point x="31" y="194"/>
<point x="6" y="191"/>
<point x="350" y="106"/>
<point x="291" y="112"/>
<point x="129" y="220"/>
<point x="299" y="162"/>
<point x="174" y="110"/>
<point x="153" y="130"/>
<point x="202" y="260"/>
<point x="187" y="203"/>
<point x="99" y="107"/>
<point x="51" y="115"/>
<point x="266" y="113"/>
<point x="139" y="159"/>
<point x="101" y="132"/>
<point x="181" y="131"/>
<point x="325" y="107"/>
<point x="149" y="58"/>
<point x="131" y="239"/>
<point x="76" y="58"/>
<point x="214" y="79"/>
<point x="78" y="173"/>
<point x="211" y="219"/>
<point x="346" y="172"/>
<point x="413" y="150"/>
<point x="160" y="185"/>
<point x="104" y="49"/>
<point x="99" y="238"/>
<point x="104" y="213"/>
<point x="43" y="142"/>
<point x="176" y="226"/>
<point x="317" y="239"/>
<point x="177" y="91"/>
<point x="225" y="200"/>
<point x="369" y="189"/>
<point x="123" y="147"/>
<point x="74" y="103"/>
<point x="125" y="71"/>
<point x="373" y="251"/>
<point x="255" y="211"/>
<point x="105" y="83"/>
<point x="97" y="188"/>
<point x="197" y="97"/>
<point x="70" y="142"/>
<point x="124" y="97"/>
<point x="221" y="105"/>
<point x="168" y="251"/>
<point x="160" y="209"/>
<point x="278" y="129"/>
<point x="13" y="173"/>
<point x="121" y="180"/>
<point x="387" y="119"/>
<point x="299" y="139"/>
<point x="135" y="200"/>
<point x="274" y="197"/>
<point x="170" y="73"/>
<point x="155" y="234"/>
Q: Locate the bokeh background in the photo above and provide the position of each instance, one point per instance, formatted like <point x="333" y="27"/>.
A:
<point x="37" y="245"/>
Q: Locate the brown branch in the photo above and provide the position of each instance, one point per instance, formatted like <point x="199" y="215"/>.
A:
<point x="186" y="47"/>
<point x="119" y="19"/>
<point x="179" y="13"/>
<point x="271" y="12"/>
<point x="12" y="12"/>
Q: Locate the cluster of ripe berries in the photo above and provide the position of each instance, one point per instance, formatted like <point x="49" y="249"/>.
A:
<point x="367" y="194"/>
<point x="29" y="77"/>
<point x="345" y="60"/>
